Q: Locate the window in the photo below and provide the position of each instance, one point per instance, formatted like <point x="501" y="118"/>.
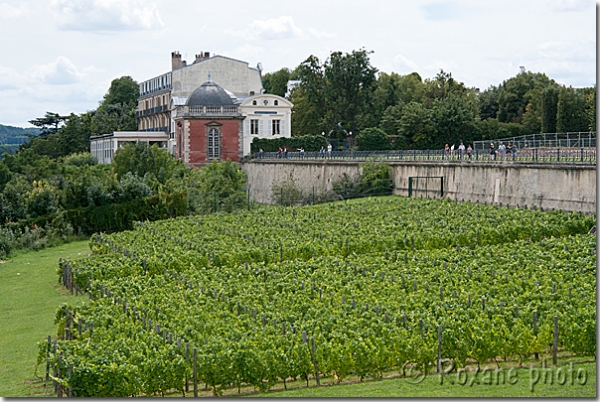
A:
<point x="214" y="149"/>
<point x="253" y="103"/>
<point x="276" y="103"/>
<point x="254" y="126"/>
<point x="276" y="127"/>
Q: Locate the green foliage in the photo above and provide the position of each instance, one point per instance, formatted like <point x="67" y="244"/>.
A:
<point x="339" y="90"/>
<point x="218" y="186"/>
<point x="42" y="200"/>
<point x="49" y="124"/>
<point x="156" y="165"/>
<point x="374" y="179"/>
<point x="80" y="159"/>
<point x="549" y="109"/>
<point x="571" y="111"/>
<point x="372" y="139"/>
<point x="287" y="193"/>
<point x="131" y="187"/>
<point x="276" y="82"/>
<point x="357" y="276"/>
<point x="310" y="143"/>
<point x="491" y="129"/>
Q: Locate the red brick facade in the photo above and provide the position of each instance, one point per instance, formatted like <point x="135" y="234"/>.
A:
<point x="193" y="139"/>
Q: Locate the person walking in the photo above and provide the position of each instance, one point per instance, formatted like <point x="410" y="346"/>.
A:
<point x="493" y="151"/>
<point x="469" y="151"/>
<point x="329" y="149"/>
<point x="461" y="150"/>
<point x="446" y="152"/>
<point x="502" y="150"/>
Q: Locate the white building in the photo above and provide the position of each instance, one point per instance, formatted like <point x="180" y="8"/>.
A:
<point x="265" y="116"/>
<point x="161" y="95"/>
<point x="104" y="147"/>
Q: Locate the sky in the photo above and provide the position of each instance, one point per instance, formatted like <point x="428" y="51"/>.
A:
<point x="61" y="55"/>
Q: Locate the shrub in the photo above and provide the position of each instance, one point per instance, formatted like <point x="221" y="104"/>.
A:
<point x="372" y="139"/>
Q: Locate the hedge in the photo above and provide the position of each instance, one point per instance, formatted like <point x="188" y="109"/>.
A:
<point x="310" y="143"/>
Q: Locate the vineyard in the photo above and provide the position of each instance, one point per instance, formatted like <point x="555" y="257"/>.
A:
<point x="361" y="287"/>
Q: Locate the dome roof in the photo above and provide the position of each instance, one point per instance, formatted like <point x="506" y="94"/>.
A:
<point x="209" y="94"/>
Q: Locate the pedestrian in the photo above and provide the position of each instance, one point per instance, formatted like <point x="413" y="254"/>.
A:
<point x="301" y="152"/>
<point x="502" y="150"/>
<point x="285" y="152"/>
<point x="493" y="151"/>
<point x="322" y="151"/>
<point x="329" y="148"/>
<point x="279" y="152"/>
<point x="461" y="150"/>
<point x="469" y="151"/>
<point x="452" y="151"/>
<point x="260" y="153"/>
<point x="513" y="150"/>
<point x="446" y="151"/>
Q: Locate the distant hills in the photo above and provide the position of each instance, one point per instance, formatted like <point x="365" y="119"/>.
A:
<point x="12" y="137"/>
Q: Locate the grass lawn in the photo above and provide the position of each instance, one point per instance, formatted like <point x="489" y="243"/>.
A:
<point x="489" y="384"/>
<point x="29" y="297"/>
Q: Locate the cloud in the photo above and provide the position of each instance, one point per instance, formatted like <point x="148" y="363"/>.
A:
<point x="276" y="29"/>
<point x="321" y="34"/>
<point x="106" y="15"/>
<point x="9" y="79"/>
<point x="282" y="28"/>
<point x="60" y="72"/>
<point x="441" y="11"/>
<point x="404" y="65"/>
<point x="9" y="12"/>
<point x="572" y="5"/>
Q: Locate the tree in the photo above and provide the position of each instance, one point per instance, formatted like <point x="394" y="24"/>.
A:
<point x="122" y="91"/>
<point x="372" y="139"/>
<point x="276" y="82"/>
<point x="49" y="124"/>
<point x="156" y="165"/>
<point x="571" y="114"/>
<point x="340" y="90"/>
<point x="416" y="126"/>
<point x="591" y="108"/>
<point x="517" y="92"/>
<point x="549" y="109"/>
<point x="454" y="119"/>
<point x="217" y="187"/>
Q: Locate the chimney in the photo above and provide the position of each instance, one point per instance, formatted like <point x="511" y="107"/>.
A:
<point x="175" y="60"/>
<point x="202" y="56"/>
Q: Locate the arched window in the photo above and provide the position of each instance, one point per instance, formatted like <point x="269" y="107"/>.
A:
<point x="253" y="103"/>
<point x="276" y="103"/>
<point x="214" y="144"/>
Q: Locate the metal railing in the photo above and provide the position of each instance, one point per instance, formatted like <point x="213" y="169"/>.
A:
<point x="527" y="155"/>
<point x="551" y="140"/>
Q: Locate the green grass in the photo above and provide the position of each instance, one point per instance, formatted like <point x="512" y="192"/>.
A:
<point x="29" y="297"/>
<point x="490" y="385"/>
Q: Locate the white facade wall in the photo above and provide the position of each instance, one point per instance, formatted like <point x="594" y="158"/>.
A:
<point x="270" y="113"/>
<point x="104" y="147"/>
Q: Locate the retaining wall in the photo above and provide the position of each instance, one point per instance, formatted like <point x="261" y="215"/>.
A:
<point x="568" y="187"/>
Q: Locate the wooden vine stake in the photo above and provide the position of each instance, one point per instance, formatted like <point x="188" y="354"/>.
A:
<point x="439" y="359"/>
<point x="555" y="344"/>
<point x="314" y="352"/>
<point x="195" y="373"/>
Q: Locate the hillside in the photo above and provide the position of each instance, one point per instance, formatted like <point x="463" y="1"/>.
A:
<point x="11" y="137"/>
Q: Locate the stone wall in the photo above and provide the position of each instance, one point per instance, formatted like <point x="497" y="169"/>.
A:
<point x="568" y="187"/>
